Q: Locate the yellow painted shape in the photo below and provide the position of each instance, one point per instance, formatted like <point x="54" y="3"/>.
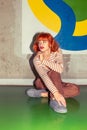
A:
<point x="45" y="15"/>
<point x="51" y="20"/>
<point x="81" y="28"/>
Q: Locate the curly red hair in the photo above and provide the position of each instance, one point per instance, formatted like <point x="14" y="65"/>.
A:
<point x="53" y="44"/>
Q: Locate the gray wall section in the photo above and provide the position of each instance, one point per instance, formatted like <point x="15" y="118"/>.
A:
<point x="13" y="64"/>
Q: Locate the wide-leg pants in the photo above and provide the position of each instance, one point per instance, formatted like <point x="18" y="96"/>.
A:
<point x="66" y="89"/>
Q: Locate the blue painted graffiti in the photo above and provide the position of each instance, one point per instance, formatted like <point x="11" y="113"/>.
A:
<point x="65" y="37"/>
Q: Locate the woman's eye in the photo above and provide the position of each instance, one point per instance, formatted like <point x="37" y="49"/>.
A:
<point x="45" y="41"/>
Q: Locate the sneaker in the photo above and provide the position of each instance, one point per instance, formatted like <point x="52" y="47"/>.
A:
<point x="56" y="107"/>
<point x="35" y="92"/>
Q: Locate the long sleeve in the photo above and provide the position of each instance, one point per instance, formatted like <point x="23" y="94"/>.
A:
<point x="56" y="62"/>
<point x="40" y="68"/>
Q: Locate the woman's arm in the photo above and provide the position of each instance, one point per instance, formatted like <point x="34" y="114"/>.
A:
<point x="57" y="63"/>
<point x="44" y="76"/>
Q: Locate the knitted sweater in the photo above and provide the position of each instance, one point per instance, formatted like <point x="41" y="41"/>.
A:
<point x="54" y="62"/>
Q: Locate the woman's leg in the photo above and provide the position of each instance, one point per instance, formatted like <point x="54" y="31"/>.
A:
<point x="66" y="89"/>
<point x="56" y="79"/>
<point x="40" y="85"/>
<point x="70" y="89"/>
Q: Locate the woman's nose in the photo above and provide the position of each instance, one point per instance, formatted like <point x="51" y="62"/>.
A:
<point x="41" y="42"/>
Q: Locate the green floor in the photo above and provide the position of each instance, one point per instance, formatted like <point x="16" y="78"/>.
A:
<point x="19" y="112"/>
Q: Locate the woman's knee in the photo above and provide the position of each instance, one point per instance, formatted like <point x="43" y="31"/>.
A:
<point x="71" y="90"/>
<point x="54" y="75"/>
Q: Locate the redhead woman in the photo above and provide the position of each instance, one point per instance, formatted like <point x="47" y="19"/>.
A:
<point x="48" y="62"/>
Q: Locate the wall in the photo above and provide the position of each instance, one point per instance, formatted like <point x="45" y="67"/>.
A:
<point x="14" y="66"/>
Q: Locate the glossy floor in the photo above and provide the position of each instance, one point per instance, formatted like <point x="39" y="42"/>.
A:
<point x="19" y="112"/>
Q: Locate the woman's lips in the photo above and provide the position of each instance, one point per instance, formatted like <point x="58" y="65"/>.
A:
<point x="41" y="47"/>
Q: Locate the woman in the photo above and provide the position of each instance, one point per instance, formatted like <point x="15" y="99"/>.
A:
<point x="48" y="63"/>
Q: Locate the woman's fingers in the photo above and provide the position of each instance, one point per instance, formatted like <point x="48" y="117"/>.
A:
<point x="60" y="99"/>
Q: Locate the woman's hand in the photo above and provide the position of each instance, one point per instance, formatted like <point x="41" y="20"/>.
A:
<point x="60" y="99"/>
<point x="43" y="56"/>
<point x="40" y="55"/>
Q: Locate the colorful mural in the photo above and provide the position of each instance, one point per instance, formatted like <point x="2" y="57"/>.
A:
<point x="66" y="18"/>
<point x="67" y="21"/>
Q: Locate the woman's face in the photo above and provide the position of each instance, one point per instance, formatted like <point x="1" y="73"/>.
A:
<point x="43" y="45"/>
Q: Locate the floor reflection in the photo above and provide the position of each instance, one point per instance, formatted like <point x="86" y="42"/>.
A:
<point x="73" y="105"/>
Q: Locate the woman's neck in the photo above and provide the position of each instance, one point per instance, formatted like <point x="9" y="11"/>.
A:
<point x="46" y="54"/>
